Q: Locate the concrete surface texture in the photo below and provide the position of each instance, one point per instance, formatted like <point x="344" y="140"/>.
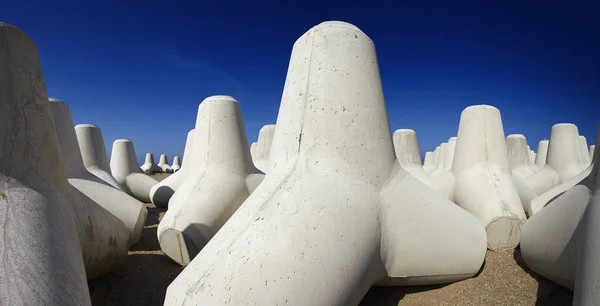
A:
<point x="223" y="177"/>
<point x="161" y="193"/>
<point x="564" y="154"/>
<point x="529" y="180"/>
<point x="263" y="147"/>
<point x="560" y="241"/>
<point x="163" y="163"/>
<point x="93" y="153"/>
<point x="150" y="166"/>
<point x="484" y="186"/>
<point x="592" y="149"/>
<point x="540" y="156"/>
<point x="115" y="203"/>
<point x="336" y="213"/>
<point x="42" y="261"/>
<point x="428" y="162"/>
<point x="583" y="149"/>
<point x="124" y="168"/>
<point x="443" y="177"/>
<point x="176" y="164"/>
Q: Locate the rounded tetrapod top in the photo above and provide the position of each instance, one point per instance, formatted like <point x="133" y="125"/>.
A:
<point x="480" y="138"/>
<point x="122" y="159"/>
<point x="518" y="154"/>
<point x="583" y="148"/>
<point x="68" y="145"/>
<point x="564" y="154"/>
<point x="176" y="163"/>
<point x="163" y="160"/>
<point x="91" y="144"/>
<point x="263" y="147"/>
<point x="406" y="146"/>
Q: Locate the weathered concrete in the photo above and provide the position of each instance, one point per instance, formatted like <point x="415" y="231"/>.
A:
<point x="428" y="162"/>
<point x="131" y="213"/>
<point x="150" y="166"/>
<point x="542" y="152"/>
<point x="41" y="254"/>
<point x="161" y="193"/>
<point x="224" y="177"/>
<point x="560" y="242"/>
<point x="564" y="154"/>
<point x="163" y="164"/>
<point x="176" y="164"/>
<point x="263" y="147"/>
<point x="443" y="176"/>
<point x="93" y="153"/>
<point x="124" y="168"/>
<point x="585" y="158"/>
<point x="484" y="185"/>
<point x="529" y="180"/>
<point x="336" y="213"/>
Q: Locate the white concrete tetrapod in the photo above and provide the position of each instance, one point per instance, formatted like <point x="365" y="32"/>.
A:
<point x="560" y="242"/>
<point x="428" y="162"/>
<point x="150" y="166"/>
<point x="592" y="149"/>
<point x="583" y="149"/>
<point x="253" y="152"/>
<point x="93" y="152"/>
<point x="176" y="164"/>
<point x="129" y="211"/>
<point x="42" y="262"/>
<point x="529" y="180"/>
<point x="436" y="158"/>
<point x="161" y="193"/>
<point x="327" y="223"/>
<point x="224" y="178"/>
<point x="263" y="147"/>
<point x="484" y="185"/>
<point x="542" y="152"/>
<point x="124" y="168"/>
<point x="406" y="146"/>
<point x="443" y="176"/>
<point x="163" y="164"/>
<point x="564" y="154"/>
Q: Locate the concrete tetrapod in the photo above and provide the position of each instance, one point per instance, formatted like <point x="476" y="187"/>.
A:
<point x="93" y="152"/>
<point x="583" y="149"/>
<point x="225" y="177"/>
<point x="327" y="223"/>
<point x="161" y="193"/>
<point x="529" y="180"/>
<point x="592" y="149"/>
<point x="131" y="212"/>
<point x="484" y="185"/>
<point x="406" y="146"/>
<point x="42" y="262"/>
<point x="149" y="166"/>
<point x="124" y="168"/>
<point x="176" y="164"/>
<point x="263" y="147"/>
<point x="442" y="175"/>
<point x="163" y="164"/>
<point x="564" y="154"/>
<point x="560" y="242"/>
<point x="428" y="162"/>
<point x="542" y="152"/>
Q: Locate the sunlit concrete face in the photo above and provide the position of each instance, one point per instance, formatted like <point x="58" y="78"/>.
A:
<point x="263" y="147"/>
<point x="42" y="261"/>
<point x="224" y="177"/>
<point x="163" y="164"/>
<point x="149" y="166"/>
<point x="93" y="153"/>
<point x="124" y="168"/>
<point x="333" y="184"/>
<point x="484" y="185"/>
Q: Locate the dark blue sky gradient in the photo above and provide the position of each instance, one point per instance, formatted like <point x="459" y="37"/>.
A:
<point x="139" y="69"/>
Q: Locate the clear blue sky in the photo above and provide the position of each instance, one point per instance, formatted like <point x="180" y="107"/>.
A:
<point x="138" y="69"/>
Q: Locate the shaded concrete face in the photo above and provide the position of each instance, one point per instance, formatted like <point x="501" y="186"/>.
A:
<point x="263" y="147"/>
<point x="123" y="166"/>
<point x="583" y="149"/>
<point x="406" y="146"/>
<point x="332" y="157"/>
<point x="592" y="151"/>
<point x="93" y="152"/>
<point x="33" y="186"/>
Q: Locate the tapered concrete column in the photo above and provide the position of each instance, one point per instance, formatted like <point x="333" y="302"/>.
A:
<point x="211" y="194"/>
<point x="42" y="262"/>
<point x="592" y="149"/>
<point x="428" y="162"/>
<point x="93" y="153"/>
<point x="161" y="193"/>
<point x="327" y="211"/>
<point x="442" y="176"/>
<point x="436" y="157"/>
<point x="263" y="147"/>
<point x="560" y="242"/>
<point x="116" y="215"/>
<point x="540" y="157"/>
<point x="529" y="181"/>
<point x="564" y="154"/>
<point x="583" y="149"/>
<point x="124" y="168"/>
<point x="150" y="166"/>
<point x="484" y="185"/>
<point x="163" y="164"/>
<point x="176" y="164"/>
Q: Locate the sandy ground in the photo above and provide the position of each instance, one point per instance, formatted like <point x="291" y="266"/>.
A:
<point x="504" y="280"/>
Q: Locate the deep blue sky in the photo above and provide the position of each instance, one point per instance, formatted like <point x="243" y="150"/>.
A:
<point x="139" y="69"/>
